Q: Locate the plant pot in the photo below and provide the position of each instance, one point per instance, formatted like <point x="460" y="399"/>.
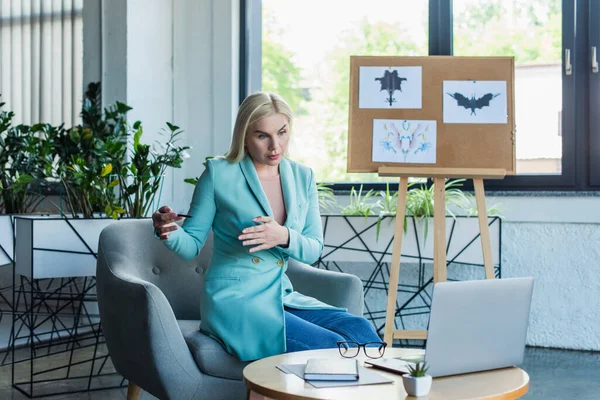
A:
<point x="56" y="247"/>
<point x="417" y="386"/>
<point x="6" y="239"/>
<point x="355" y="239"/>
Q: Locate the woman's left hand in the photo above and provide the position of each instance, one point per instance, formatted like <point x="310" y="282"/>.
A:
<point x="266" y="235"/>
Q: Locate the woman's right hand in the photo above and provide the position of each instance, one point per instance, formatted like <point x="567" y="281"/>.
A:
<point x="163" y="220"/>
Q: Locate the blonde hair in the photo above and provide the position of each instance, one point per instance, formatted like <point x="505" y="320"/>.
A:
<point x="255" y="107"/>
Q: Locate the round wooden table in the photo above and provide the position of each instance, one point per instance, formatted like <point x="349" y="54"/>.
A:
<point x="264" y="378"/>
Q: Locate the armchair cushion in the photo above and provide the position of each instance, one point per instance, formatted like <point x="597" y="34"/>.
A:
<point x="335" y="288"/>
<point x="210" y="356"/>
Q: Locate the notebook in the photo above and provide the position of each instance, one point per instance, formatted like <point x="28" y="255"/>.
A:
<point x="366" y="377"/>
<point x="328" y="369"/>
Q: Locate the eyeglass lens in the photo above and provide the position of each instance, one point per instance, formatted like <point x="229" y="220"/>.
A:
<point x="349" y="349"/>
<point x="374" y="350"/>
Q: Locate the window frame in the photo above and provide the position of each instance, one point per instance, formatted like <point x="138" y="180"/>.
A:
<point x="580" y="169"/>
<point x="594" y="88"/>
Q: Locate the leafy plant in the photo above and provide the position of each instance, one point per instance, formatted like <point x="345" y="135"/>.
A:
<point x="88" y="153"/>
<point x="100" y="172"/>
<point x="327" y="201"/>
<point x="19" y="169"/>
<point x="418" y="370"/>
<point x="420" y="201"/>
<point x="388" y="204"/>
<point x="359" y="204"/>
<point x="140" y="180"/>
<point x="85" y="189"/>
<point x="469" y="206"/>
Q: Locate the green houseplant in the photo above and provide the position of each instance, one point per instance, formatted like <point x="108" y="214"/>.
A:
<point x="140" y="180"/>
<point x="417" y="383"/>
<point x="420" y="203"/>
<point x="100" y="171"/>
<point x="327" y="201"/>
<point x="19" y="166"/>
<point x="86" y="155"/>
<point x="359" y="204"/>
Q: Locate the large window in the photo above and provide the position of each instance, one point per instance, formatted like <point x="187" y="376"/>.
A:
<point x="305" y="57"/>
<point x="531" y="31"/>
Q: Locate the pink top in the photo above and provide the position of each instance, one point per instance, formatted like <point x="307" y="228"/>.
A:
<point x="272" y="188"/>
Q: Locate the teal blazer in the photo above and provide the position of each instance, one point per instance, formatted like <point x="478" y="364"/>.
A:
<point x="244" y="294"/>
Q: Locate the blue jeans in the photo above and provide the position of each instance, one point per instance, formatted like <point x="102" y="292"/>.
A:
<point x="322" y="329"/>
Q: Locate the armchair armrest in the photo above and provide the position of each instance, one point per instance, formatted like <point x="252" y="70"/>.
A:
<point x="144" y="340"/>
<point x="335" y="288"/>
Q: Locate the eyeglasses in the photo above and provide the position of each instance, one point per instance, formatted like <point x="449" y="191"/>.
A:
<point x="371" y="349"/>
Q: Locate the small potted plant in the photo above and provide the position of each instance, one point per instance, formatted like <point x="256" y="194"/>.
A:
<point x="417" y="382"/>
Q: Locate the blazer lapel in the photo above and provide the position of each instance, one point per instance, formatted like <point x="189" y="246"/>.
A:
<point x="251" y="176"/>
<point x="288" y="187"/>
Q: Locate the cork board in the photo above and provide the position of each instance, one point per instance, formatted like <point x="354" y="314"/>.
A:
<point x="489" y="143"/>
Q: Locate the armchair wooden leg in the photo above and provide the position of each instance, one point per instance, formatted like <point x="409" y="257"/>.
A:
<point x="133" y="391"/>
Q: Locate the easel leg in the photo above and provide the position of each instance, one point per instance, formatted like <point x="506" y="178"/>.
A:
<point x="486" y="245"/>
<point x="440" y="273"/>
<point x="395" y="267"/>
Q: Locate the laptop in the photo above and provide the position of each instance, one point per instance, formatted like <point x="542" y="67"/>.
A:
<point x="473" y="326"/>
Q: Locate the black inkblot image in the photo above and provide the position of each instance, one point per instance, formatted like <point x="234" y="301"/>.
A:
<point x="473" y="103"/>
<point x="391" y="82"/>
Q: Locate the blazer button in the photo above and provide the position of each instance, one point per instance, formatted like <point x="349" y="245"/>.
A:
<point x="256" y="260"/>
<point x="280" y="263"/>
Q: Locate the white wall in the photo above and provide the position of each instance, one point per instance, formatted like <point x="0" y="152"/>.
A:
<point x="206" y="59"/>
<point x="176" y="61"/>
<point x="556" y="240"/>
<point x="150" y="65"/>
<point x="150" y="72"/>
<point x="113" y="51"/>
<point x="564" y="260"/>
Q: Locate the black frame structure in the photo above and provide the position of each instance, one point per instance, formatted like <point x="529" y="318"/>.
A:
<point x="250" y="47"/>
<point x="594" y="92"/>
<point x="416" y="296"/>
<point x="580" y="92"/>
<point x="61" y="303"/>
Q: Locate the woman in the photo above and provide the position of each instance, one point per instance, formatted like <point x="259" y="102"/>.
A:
<point x="263" y="209"/>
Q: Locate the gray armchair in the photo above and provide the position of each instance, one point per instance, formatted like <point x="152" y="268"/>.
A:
<point x="149" y="301"/>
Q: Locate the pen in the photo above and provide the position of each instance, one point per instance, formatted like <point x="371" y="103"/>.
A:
<point x="184" y="215"/>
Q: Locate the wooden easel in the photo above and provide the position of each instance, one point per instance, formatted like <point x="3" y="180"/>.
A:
<point x="439" y="176"/>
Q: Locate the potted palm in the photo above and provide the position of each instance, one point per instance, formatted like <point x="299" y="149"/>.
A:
<point x="417" y="383"/>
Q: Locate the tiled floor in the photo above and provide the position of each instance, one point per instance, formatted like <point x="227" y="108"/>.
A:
<point x="554" y="374"/>
<point x="560" y="374"/>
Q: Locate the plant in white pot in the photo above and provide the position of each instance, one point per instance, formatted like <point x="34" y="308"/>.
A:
<point x="417" y="383"/>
